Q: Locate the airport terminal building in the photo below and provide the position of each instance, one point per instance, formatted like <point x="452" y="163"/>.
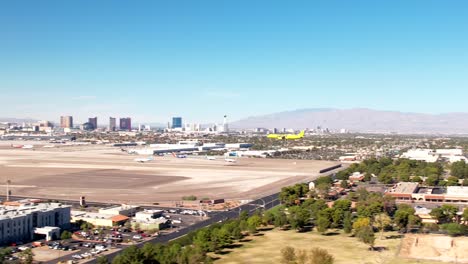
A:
<point x="20" y="221"/>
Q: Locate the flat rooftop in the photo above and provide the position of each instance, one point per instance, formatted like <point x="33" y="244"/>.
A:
<point x="405" y="187"/>
<point x="24" y="209"/>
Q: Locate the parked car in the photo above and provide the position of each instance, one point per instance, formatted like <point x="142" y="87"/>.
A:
<point x="77" y="256"/>
<point x="22" y="248"/>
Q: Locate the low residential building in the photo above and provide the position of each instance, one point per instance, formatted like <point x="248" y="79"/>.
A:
<point x="357" y="177"/>
<point x="18" y="222"/>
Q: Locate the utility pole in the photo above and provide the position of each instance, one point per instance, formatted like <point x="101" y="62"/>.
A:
<point x="8" y="190"/>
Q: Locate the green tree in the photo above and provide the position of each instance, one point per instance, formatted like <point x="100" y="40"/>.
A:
<point x="417" y="179"/>
<point x="454" y="229"/>
<point x="431" y="181"/>
<point x="102" y="260"/>
<point x="289" y="195"/>
<point x="402" y="215"/>
<point x="320" y="256"/>
<point x="323" y="189"/>
<point x="298" y="217"/>
<point x="322" y="224"/>
<point x="444" y="214"/>
<point x="4" y="252"/>
<point x="281" y="219"/>
<point x="382" y="221"/>
<point x="366" y="235"/>
<point x="360" y="223"/>
<point x="340" y="207"/>
<point x="26" y="256"/>
<point x="269" y="218"/>
<point x="465" y="215"/>
<point x="65" y="235"/>
<point x="253" y="223"/>
<point x="288" y="255"/>
<point x="452" y="181"/>
<point x="85" y="226"/>
<point x="348" y="223"/>
<point x="344" y="184"/>
<point x="458" y="169"/>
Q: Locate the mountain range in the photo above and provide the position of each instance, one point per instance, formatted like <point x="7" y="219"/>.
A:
<point x="361" y="120"/>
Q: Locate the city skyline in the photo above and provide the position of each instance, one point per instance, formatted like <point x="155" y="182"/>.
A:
<point x="156" y="60"/>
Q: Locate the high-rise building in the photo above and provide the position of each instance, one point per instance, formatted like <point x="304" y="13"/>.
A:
<point x="126" y="123"/>
<point x="177" y="122"/>
<point x="93" y="122"/>
<point x="225" y="124"/>
<point x="112" y="124"/>
<point x="66" y="121"/>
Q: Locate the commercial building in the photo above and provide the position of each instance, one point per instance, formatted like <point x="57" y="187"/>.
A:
<point x="66" y="122"/>
<point x="127" y="210"/>
<point x="150" y="219"/>
<point x="112" y="124"/>
<point x="429" y="155"/>
<point x="411" y="191"/>
<point x="99" y="219"/>
<point x="93" y="122"/>
<point x="21" y="220"/>
<point x="177" y="122"/>
<point x="126" y="123"/>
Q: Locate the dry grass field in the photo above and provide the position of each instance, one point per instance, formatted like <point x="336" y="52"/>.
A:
<point x="103" y="173"/>
<point x="346" y="250"/>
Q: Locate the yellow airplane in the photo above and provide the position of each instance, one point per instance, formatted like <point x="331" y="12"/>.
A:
<point x="287" y="136"/>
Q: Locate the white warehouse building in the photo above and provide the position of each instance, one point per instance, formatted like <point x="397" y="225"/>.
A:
<point x="18" y="223"/>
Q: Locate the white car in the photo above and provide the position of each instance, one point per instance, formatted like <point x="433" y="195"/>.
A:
<point x="137" y="237"/>
<point x="22" y="248"/>
<point x="77" y="257"/>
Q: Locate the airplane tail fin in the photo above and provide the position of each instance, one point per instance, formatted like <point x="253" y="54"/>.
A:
<point x="302" y="133"/>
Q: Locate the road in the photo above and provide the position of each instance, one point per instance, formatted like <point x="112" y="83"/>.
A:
<point x="266" y="202"/>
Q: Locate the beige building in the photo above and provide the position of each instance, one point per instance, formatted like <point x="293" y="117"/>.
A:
<point x="66" y="122"/>
<point x="124" y="209"/>
<point x="98" y="219"/>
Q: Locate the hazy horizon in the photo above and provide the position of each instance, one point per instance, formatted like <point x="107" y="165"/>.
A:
<point x="202" y="60"/>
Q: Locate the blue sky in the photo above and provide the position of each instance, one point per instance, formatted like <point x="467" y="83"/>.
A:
<point x="202" y="59"/>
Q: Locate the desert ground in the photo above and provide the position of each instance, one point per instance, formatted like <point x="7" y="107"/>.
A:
<point x="104" y="173"/>
<point x="435" y="247"/>
<point x="345" y="249"/>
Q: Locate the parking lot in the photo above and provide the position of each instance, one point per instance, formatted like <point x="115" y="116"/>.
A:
<point x="87" y="245"/>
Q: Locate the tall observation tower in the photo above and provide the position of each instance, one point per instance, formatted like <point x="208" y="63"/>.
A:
<point x="225" y="124"/>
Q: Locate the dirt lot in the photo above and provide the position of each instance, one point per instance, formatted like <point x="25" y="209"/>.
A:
<point x="44" y="254"/>
<point x="107" y="174"/>
<point x="345" y="249"/>
<point x="435" y="247"/>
